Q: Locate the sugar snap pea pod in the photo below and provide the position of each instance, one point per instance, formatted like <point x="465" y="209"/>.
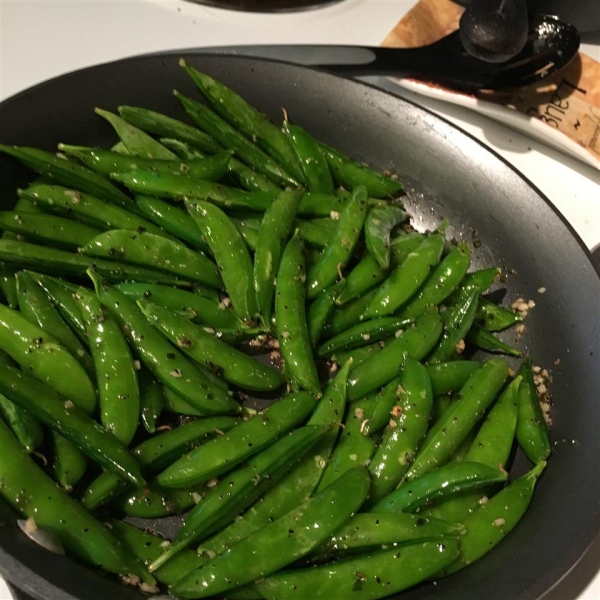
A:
<point x="164" y="361"/>
<point x="310" y="158"/>
<point x="272" y="236"/>
<point x="249" y="437"/>
<point x="447" y="434"/>
<point x="381" y="407"/>
<point x="532" y="431"/>
<point x="244" y="117"/>
<point x="173" y="219"/>
<point x="33" y="494"/>
<point x="36" y="306"/>
<point x="24" y="426"/>
<point x="459" y="454"/>
<point x="241" y="488"/>
<point x="154" y="251"/>
<point x="322" y="205"/>
<point x="182" y="149"/>
<point x="87" y="209"/>
<point x="402" y="245"/>
<point x="55" y="261"/>
<point x="154" y="503"/>
<point x="234" y="366"/>
<point x="38" y="353"/>
<point x="350" y="174"/>
<point x="495" y="318"/>
<point x="230" y="253"/>
<point x="295" y="533"/>
<point x="65" y="418"/>
<point x="492" y="521"/>
<point x="341" y="245"/>
<point x="416" y="342"/>
<point x="174" y="403"/>
<point x="480" y="337"/>
<point x="299" y="483"/>
<point x="69" y="464"/>
<point x="69" y="173"/>
<point x="450" y="376"/>
<point x="137" y="142"/>
<point x="321" y="308"/>
<point x="364" y="577"/>
<point x="8" y="286"/>
<point x="359" y="335"/>
<point x="249" y="234"/>
<point x="367" y="532"/>
<point x="454" y="478"/>
<point x="147" y="547"/>
<point x="290" y="317"/>
<point x="106" y="162"/>
<point x="478" y="281"/>
<point x="359" y="355"/>
<point x="350" y="314"/>
<point x="47" y="229"/>
<point x="120" y="147"/>
<point x="406" y="430"/>
<point x="228" y="136"/>
<point x="151" y="400"/>
<point x="378" y="229"/>
<point x="442" y="282"/>
<point x="314" y="233"/>
<point x="457" y="322"/>
<point x="364" y="277"/>
<point x="407" y="278"/>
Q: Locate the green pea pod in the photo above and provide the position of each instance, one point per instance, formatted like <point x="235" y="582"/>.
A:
<point x="119" y="147"/>
<point x="153" y="251"/>
<point x="147" y="548"/>
<point x="137" y="142"/>
<point x="290" y="317"/>
<point x="44" y="358"/>
<point x="183" y="150"/>
<point x="495" y="318"/>
<point x="106" y="162"/>
<point x="159" y="124"/>
<point x="228" y="136"/>
<point x="405" y="433"/>
<point x="37" y="308"/>
<point x="447" y="434"/>
<point x="416" y="342"/>
<point x="402" y="245"/>
<point x="152" y="503"/>
<point x="364" y="277"/>
<point x="87" y="209"/>
<point x="54" y="261"/>
<point x="321" y="308"/>
<point x="295" y="534"/>
<point x="350" y="314"/>
<point x="478" y="281"/>
<point x="47" y="229"/>
<point x="450" y="376"/>
<point x="380" y="407"/>
<point x="360" y="355"/>
<point x="173" y="219"/>
<point x="407" y="278"/>
<point x="151" y="400"/>
<point x="492" y="521"/>
<point x="350" y="174"/>
<point x="8" y="285"/>
<point x="454" y="478"/>
<point x="69" y="464"/>
<point x="231" y="256"/>
<point x="315" y="233"/>
<point x="163" y="360"/>
<point x="339" y="250"/>
<point x="442" y="282"/>
<point x="249" y="437"/>
<point x="378" y="231"/>
<point x="457" y="322"/>
<point x="23" y="425"/>
<point x="240" y="488"/>
<point x="69" y="173"/>
<point x="532" y="431"/>
<point x="368" y="532"/>
<point x="298" y="485"/>
<point x="272" y="237"/>
<point x="480" y="337"/>
<point x="174" y="403"/>
<point x="313" y="164"/>
<point x="244" y="117"/>
<point x="322" y="205"/>
<point x="359" y="335"/>
<point x="249" y="234"/>
<point x="55" y="511"/>
<point x="234" y="366"/>
<point x="459" y="454"/>
<point x="62" y="416"/>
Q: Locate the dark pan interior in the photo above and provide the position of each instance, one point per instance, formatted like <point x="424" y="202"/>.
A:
<point x="448" y="175"/>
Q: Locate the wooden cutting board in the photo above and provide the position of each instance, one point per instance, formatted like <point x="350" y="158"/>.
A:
<point x="569" y="101"/>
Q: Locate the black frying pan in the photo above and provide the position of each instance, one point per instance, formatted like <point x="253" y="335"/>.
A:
<point x="449" y="175"/>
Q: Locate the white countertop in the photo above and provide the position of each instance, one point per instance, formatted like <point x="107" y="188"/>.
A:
<point x="40" y="40"/>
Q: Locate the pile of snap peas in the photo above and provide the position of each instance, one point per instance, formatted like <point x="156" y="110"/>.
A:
<point x="139" y="282"/>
